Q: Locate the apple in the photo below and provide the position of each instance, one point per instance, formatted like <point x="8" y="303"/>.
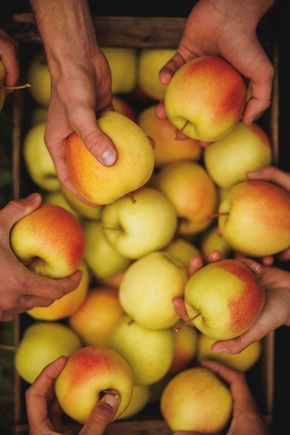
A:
<point x="38" y="115"/>
<point x="101" y="184"/>
<point x="211" y="240"/>
<point x="223" y="299"/>
<point x="120" y="105"/>
<point x="245" y="148"/>
<point x="58" y="198"/>
<point x="34" y="150"/>
<point x="38" y="76"/>
<point x="83" y="210"/>
<point x="102" y="258"/>
<point x="68" y="304"/>
<point x="148" y="286"/>
<point x="167" y="149"/>
<point x="254" y="218"/>
<point x="196" y="400"/>
<point x="42" y="343"/>
<point x="136" y="229"/>
<point x="113" y="281"/>
<point x="186" y="348"/>
<point x="49" y="241"/>
<point x="149" y="352"/>
<point x="192" y="192"/>
<point x="205" y="98"/>
<point x="183" y="249"/>
<point x="95" y="319"/>
<point x="151" y="60"/>
<point x="123" y="63"/>
<point x="88" y="372"/>
<point x="243" y="361"/>
<point x="140" y="398"/>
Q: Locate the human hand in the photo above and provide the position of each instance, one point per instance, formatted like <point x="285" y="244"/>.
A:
<point x="44" y="412"/>
<point x="9" y="57"/>
<point x="227" y="29"/>
<point x="21" y="289"/>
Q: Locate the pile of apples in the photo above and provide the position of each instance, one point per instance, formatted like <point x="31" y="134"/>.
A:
<point x="159" y="207"/>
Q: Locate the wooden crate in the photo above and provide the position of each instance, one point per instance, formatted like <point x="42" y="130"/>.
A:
<point x="139" y="33"/>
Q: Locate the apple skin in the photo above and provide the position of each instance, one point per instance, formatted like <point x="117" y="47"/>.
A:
<point x="38" y="76"/>
<point x="123" y="64"/>
<point x="49" y="241"/>
<point x="225" y="297"/>
<point x="245" y="148"/>
<point x="186" y="347"/>
<point x="196" y="400"/>
<point x="42" y="343"/>
<point x="149" y="352"/>
<point x="243" y="361"/>
<point x="192" y="192"/>
<point x="167" y="149"/>
<point x="88" y="372"/>
<point x="136" y="229"/>
<point x="34" y="150"/>
<point x="184" y="250"/>
<point x="101" y="184"/>
<point x="256" y="222"/>
<point x="58" y="198"/>
<point x="211" y="240"/>
<point x="120" y="105"/>
<point x="83" y="210"/>
<point x="148" y="287"/>
<point x="140" y="398"/>
<point x="97" y="316"/>
<point x="205" y="98"/>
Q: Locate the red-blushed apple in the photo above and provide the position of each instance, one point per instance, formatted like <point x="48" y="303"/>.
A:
<point x="49" y="241"/>
<point x="167" y="149"/>
<point x="186" y="347"/>
<point x="88" y="372"/>
<point x="196" y="400"/>
<point x="205" y="98"/>
<point x="120" y="105"/>
<point x="254" y="218"/>
<point x="101" y="184"/>
<point x="223" y="299"/>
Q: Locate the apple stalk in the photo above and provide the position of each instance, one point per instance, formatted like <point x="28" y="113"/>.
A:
<point x="179" y="327"/>
<point x="179" y="133"/>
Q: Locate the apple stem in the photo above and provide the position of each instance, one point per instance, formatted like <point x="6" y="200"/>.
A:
<point x="179" y="327"/>
<point x="214" y="215"/>
<point x="179" y="133"/>
<point x="15" y="88"/>
<point x="131" y="196"/>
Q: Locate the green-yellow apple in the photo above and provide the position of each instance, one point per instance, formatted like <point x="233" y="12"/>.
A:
<point x="151" y="60"/>
<point x="223" y="299"/>
<point x="243" y="361"/>
<point x="83" y="210"/>
<point x="38" y="76"/>
<point x="183" y="249"/>
<point x="136" y="229"/>
<point x="58" y="198"/>
<point x="88" y="372"/>
<point x="43" y="172"/>
<point x="68" y="304"/>
<point x="38" y="115"/>
<point x="186" y="347"/>
<point x="167" y="149"/>
<point x="149" y="352"/>
<point x="245" y="148"/>
<point x="211" y="240"/>
<point x="254" y="218"/>
<point x="205" y="98"/>
<point x="140" y="398"/>
<point x="97" y="316"/>
<point x="196" y="400"/>
<point x="102" y="258"/>
<point x="123" y="63"/>
<point x="192" y="192"/>
<point x="102" y="184"/>
<point x="49" y="241"/>
<point x="121" y="105"/>
<point x="148" y="286"/>
<point x="42" y="343"/>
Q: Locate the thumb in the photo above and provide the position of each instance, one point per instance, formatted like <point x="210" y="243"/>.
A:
<point x="15" y="210"/>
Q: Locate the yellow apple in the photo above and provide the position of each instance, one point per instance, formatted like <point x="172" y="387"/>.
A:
<point x="196" y="400"/>
<point x="83" y="210"/>
<point x="224" y="299"/>
<point x="97" y="316"/>
<point x="38" y="115"/>
<point x="167" y="149"/>
<point x="42" y="343"/>
<point x="186" y="347"/>
<point x="245" y="148"/>
<point x="123" y="63"/>
<point x="243" y="361"/>
<point x="38" y="161"/>
<point x="136" y="229"/>
<point x="192" y="192"/>
<point x="101" y="184"/>
<point x="50" y="241"/>
<point x="68" y="304"/>
<point x="211" y="240"/>
<point x="58" y="198"/>
<point x="140" y="398"/>
<point x="254" y="218"/>
<point x="149" y="352"/>
<point x="148" y="286"/>
<point x="183" y="249"/>
<point x="88" y="372"/>
<point x="151" y="60"/>
<point x="38" y="76"/>
<point x="205" y="98"/>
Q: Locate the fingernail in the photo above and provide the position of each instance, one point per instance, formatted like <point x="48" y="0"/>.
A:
<point x="220" y="350"/>
<point x="111" y="399"/>
<point x="108" y="158"/>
